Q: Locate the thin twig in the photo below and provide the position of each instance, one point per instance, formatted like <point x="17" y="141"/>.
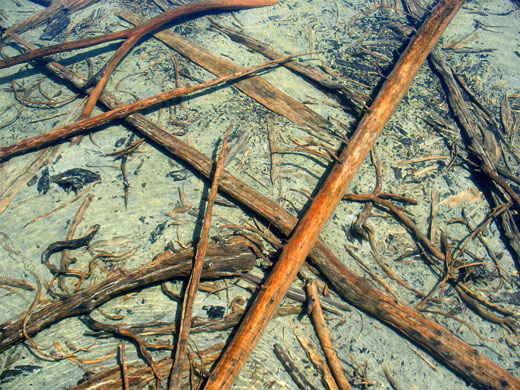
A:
<point x="124" y="368"/>
<point x="323" y="335"/>
<point x="193" y="283"/>
<point x="126" y="333"/>
<point x="292" y="369"/>
<point x="309" y="227"/>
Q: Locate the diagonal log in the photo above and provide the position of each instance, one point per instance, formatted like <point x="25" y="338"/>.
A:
<point x="317" y="77"/>
<point x="155" y="24"/>
<point x="434" y="338"/>
<point x="307" y="231"/>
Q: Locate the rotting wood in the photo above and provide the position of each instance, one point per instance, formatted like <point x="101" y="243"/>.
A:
<point x="132" y="36"/>
<point x="307" y="231"/>
<point x="292" y="369"/>
<point x="110" y="378"/>
<point x="139" y="375"/>
<point x="36" y="53"/>
<point x="154" y="24"/>
<point x="16" y="283"/>
<point x="315" y="312"/>
<point x="233" y="259"/>
<point x="128" y="334"/>
<point x="124" y="367"/>
<point x="483" y="147"/>
<point x="480" y="140"/>
<point x="405" y="219"/>
<point x="317" y="361"/>
<point x="432" y="337"/>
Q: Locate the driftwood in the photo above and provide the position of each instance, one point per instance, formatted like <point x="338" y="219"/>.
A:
<point x="150" y="25"/>
<point x="193" y="283"/>
<point x="255" y="87"/>
<point x="484" y="148"/>
<point x="232" y="259"/>
<point x="434" y="338"/>
<point x="316" y="314"/>
<point x="481" y="135"/>
<point x="132" y="36"/>
<point x="292" y="369"/>
<point x="140" y="374"/>
<point x="306" y="232"/>
<point x="154" y="24"/>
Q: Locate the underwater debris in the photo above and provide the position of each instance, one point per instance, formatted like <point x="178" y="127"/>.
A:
<point x="75" y="179"/>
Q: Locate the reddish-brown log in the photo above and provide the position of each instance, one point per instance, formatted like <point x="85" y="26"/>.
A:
<point x="308" y="229"/>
